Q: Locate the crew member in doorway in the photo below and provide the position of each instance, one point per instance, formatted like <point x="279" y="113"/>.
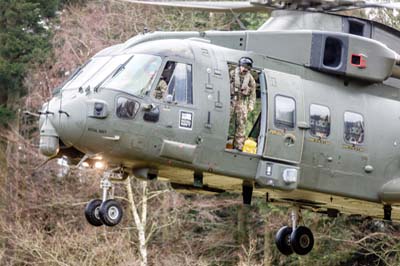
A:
<point x="243" y="98"/>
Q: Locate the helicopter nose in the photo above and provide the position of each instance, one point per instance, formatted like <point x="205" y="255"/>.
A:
<point x="61" y="119"/>
<point x="72" y="116"/>
<point x="49" y="143"/>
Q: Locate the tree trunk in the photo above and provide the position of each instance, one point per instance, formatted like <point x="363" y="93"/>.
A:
<point x="142" y="245"/>
<point x="243" y="224"/>
<point x="167" y="232"/>
<point x="267" y="245"/>
<point x="12" y="176"/>
<point x="140" y="222"/>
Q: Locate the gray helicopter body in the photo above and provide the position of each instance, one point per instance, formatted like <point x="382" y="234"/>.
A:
<point x="327" y="133"/>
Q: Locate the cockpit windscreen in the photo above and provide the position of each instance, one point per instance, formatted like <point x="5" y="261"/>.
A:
<point x="136" y="76"/>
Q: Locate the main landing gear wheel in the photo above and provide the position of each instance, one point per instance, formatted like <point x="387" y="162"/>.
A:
<point x="298" y="239"/>
<point x="302" y="240"/>
<point x="105" y="211"/>
<point x="92" y="212"/>
<point x="282" y="240"/>
<point x="110" y="212"/>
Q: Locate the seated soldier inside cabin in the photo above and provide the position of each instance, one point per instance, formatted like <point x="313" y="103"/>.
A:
<point x="162" y="87"/>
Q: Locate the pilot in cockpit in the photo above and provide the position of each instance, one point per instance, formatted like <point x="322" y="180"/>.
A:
<point x="162" y="87"/>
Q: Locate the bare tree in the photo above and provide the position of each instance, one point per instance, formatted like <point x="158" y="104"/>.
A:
<point x="139" y="208"/>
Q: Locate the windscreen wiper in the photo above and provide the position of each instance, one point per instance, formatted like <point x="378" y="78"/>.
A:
<point x="113" y="73"/>
<point x="57" y="89"/>
<point x="121" y="67"/>
<point x="76" y="72"/>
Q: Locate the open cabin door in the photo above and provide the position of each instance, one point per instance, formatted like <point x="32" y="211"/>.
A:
<point x="285" y="128"/>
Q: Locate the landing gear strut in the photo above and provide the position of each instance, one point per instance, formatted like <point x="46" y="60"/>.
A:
<point x="387" y="212"/>
<point x="104" y="211"/>
<point x="298" y="239"/>
<point x="247" y="192"/>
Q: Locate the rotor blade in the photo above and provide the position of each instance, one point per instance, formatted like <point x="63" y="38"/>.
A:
<point x="382" y="5"/>
<point x="212" y="6"/>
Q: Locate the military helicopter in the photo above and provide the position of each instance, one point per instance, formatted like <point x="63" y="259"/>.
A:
<point x="325" y="134"/>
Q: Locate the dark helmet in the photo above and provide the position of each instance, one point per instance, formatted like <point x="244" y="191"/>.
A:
<point x="246" y="62"/>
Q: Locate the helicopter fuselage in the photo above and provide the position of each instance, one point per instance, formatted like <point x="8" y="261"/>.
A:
<point x="328" y="117"/>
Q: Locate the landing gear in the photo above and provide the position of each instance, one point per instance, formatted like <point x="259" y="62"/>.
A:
<point x="247" y="192"/>
<point x="92" y="212"/>
<point x="110" y="212"/>
<point x="302" y="240"/>
<point x="282" y="240"/>
<point x="387" y="212"/>
<point x="198" y="179"/>
<point x="106" y="211"/>
<point x="298" y="239"/>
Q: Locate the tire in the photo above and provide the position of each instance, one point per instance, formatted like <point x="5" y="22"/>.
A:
<point x="282" y="240"/>
<point x="302" y="240"/>
<point x="110" y="212"/>
<point x="92" y="212"/>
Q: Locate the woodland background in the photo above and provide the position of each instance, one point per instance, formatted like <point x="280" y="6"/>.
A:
<point x="41" y="208"/>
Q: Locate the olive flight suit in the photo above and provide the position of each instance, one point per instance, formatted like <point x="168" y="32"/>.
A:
<point x="243" y="98"/>
<point x="160" y="90"/>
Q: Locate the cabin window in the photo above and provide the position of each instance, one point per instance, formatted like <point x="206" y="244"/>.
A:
<point x="353" y="128"/>
<point x="285" y="110"/>
<point x="126" y="108"/>
<point x="175" y="80"/>
<point x="332" y="52"/>
<point x="356" y="28"/>
<point x="320" y="121"/>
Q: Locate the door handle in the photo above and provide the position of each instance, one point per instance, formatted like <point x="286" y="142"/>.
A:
<point x="115" y="138"/>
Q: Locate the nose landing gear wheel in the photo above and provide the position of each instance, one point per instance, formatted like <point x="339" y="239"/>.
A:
<point x="282" y="240"/>
<point x="92" y="212"/>
<point x="302" y="240"/>
<point x="110" y="212"/>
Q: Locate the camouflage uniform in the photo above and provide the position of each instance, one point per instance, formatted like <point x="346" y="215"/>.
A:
<point x="160" y="90"/>
<point x="243" y="98"/>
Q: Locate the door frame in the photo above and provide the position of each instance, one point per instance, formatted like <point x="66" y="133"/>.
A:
<point x="284" y="144"/>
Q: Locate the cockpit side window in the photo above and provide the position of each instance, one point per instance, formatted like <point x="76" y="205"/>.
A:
<point x="126" y="108"/>
<point x="175" y="80"/>
<point x="180" y="85"/>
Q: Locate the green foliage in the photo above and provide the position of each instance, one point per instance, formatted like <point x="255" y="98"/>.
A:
<point x="5" y="115"/>
<point x="73" y="2"/>
<point x="47" y="8"/>
<point x="201" y="20"/>
<point x="24" y="40"/>
<point x="385" y="16"/>
<point x="253" y="21"/>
